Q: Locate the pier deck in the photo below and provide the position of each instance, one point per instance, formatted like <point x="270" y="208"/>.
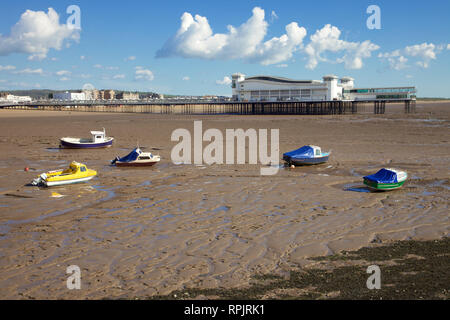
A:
<point x="199" y="107"/>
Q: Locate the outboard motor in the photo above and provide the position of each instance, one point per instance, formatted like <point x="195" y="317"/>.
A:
<point x="114" y="161"/>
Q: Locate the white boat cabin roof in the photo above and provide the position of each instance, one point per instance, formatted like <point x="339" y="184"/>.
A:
<point x="97" y="133"/>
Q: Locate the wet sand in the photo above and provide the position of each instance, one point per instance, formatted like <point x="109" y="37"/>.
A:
<point x="149" y="231"/>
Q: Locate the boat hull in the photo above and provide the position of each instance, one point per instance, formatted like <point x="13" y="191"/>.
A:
<point x="305" y="161"/>
<point x="135" y="164"/>
<point x="383" y="186"/>
<point x="64" y="182"/>
<point x="82" y="145"/>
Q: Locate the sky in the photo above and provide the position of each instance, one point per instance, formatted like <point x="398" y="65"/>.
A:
<point x="193" y="47"/>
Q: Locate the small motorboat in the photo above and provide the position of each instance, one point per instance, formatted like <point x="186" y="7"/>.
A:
<point x="386" y="179"/>
<point x="306" y="155"/>
<point x="76" y="173"/>
<point x="137" y="158"/>
<point x="97" y="140"/>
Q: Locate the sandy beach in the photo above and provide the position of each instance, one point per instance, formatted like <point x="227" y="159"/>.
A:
<point x="150" y="231"/>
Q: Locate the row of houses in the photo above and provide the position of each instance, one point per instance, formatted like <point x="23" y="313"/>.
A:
<point x="96" y="95"/>
<point x="7" y="97"/>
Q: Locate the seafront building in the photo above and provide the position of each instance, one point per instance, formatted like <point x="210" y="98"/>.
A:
<point x="107" y="94"/>
<point x="127" y="96"/>
<point x="6" y="97"/>
<point x="69" y="96"/>
<point x="269" y="88"/>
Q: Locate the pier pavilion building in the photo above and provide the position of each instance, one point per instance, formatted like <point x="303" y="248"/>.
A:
<point x="330" y="88"/>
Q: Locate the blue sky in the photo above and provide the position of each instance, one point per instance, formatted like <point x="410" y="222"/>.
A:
<point x="118" y="43"/>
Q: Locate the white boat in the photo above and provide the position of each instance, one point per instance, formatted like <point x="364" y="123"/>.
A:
<point x="137" y="158"/>
<point x="98" y="140"/>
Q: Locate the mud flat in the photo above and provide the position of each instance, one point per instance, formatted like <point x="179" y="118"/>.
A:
<point x="154" y="231"/>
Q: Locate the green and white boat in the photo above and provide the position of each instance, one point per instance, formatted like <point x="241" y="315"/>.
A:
<point x="386" y="179"/>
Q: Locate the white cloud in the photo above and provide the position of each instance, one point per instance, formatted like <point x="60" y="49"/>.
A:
<point x="186" y="78"/>
<point x="130" y="58"/>
<point x="30" y="71"/>
<point x="448" y="46"/>
<point x="283" y="65"/>
<point x="7" y="68"/>
<point x="195" y="39"/>
<point x="395" y="59"/>
<point x="119" y="76"/>
<point x="225" y="81"/>
<point x="424" y="53"/>
<point x="98" y="66"/>
<point x="327" y="39"/>
<point x="85" y="76"/>
<point x="36" y="33"/>
<point x="82" y="57"/>
<point x="143" y="74"/>
<point x="63" y="73"/>
<point x="64" y="79"/>
<point x="112" y="68"/>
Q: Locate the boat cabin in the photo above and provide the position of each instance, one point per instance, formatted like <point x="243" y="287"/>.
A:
<point x="98" y="136"/>
<point x="317" y="151"/>
<point x="75" y="166"/>
<point x="146" y="157"/>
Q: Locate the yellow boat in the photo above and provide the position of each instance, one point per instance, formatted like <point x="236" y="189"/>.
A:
<point x="76" y="173"/>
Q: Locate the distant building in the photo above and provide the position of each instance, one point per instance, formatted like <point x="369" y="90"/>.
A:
<point x="92" y="94"/>
<point x="6" y="97"/>
<point x="69" y="96"/>
<point x="107" y="95"/>
<point x="128" y="96"/>
<point x="268" y="88"/>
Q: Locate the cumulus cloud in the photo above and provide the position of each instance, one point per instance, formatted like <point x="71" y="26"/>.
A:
<point x="224" y="81"/>
<point x="426" y="52"/>
<point x="36" y="33"/>
<point x="186" y="78"/>
<point x="423" y="54"/>
<point x="448" y="46"/>
<point x="119" y="76"/>
<point x="143" y="74"/>
<point x="64" y="79"/>
<point x="195" y="39"/>
<point x="7" y="68"/>
<point x="327" y="39"/>
<point x="130" y="58"/>
<point x="395" y="59"/>
<point x="82" y="57"/>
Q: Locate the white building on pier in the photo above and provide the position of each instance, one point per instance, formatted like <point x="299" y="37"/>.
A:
<point x="268" y="88"/>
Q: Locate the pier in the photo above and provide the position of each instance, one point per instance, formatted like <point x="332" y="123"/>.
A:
<point x="335" y="107"/>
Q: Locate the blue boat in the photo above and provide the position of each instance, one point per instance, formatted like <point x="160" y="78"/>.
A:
<point x="306" y="155"/>
<point x="98" y="140"/>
